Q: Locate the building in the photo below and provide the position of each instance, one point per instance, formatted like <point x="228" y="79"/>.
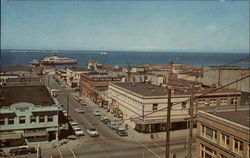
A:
<point x="27" y="114"/>
<point x="73" y="76"/>
<point x="223" y="133"/>
<point x="94" y="85"/>
<point x="222" y="75"/>
<point x="143" y="106"/>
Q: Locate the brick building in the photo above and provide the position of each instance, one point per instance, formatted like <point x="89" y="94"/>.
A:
<point x="223" y="133"/>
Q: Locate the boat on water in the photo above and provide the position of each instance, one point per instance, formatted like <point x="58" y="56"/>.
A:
<point x="55" y="60"/>
<point x="34" y="62"/>
<point x="103" y="53"/>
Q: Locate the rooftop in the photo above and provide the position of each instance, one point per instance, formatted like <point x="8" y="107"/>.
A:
<point x="241" y="116"/>
<point x="78" y="69"/>
<point x="142" y="88"/>
<point x="37" y="95"/>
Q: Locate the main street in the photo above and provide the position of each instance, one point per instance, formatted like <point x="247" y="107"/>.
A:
<point x="108" y="144"/>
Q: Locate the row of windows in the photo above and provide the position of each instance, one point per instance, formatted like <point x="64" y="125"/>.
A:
<point x="206" y="152"/>
<point x="213" y="102"/>
<point x="22" y="120"/>
<point x="211" y="134"/>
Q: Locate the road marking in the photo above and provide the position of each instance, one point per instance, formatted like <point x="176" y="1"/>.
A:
<point x="60" y="152"/>
<point x="148" y="149"/>
<point x="159" y="146"/>
<point x="72" y="152"/>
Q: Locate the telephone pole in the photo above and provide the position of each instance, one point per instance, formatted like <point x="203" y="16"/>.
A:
<point x="68" y="106"/>
<point x="168" y="124"/>
<point x="191" y="112"/>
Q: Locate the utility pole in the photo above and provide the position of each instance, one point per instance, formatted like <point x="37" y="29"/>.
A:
<point x="191" y="112"/>
<point x="68" y="105"/>
<point x="168" y="124"/>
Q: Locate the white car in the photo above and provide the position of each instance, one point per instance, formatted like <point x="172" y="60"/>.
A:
<point x="80" y="110"/>
<point x="92" y="132"/>
<point x="73" y="123"/>
<point x="97" y="113"/>
<point x="76" y="128"/>
<point x="79" y="133"/>
<point x="83" y="103"/>
<point x="65" y="113"/>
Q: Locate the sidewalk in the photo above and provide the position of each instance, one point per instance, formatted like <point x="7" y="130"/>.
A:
<point x="132" y="133"/>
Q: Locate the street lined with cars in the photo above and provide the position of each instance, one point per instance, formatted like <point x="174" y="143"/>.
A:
<point x="109" y="143"/>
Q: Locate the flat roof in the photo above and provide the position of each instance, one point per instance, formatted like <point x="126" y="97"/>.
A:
<point x="37" y="95"/>
<point x="240" y="116"/>
<point x="142" y="88"/>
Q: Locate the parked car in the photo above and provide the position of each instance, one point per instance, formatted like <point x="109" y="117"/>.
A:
<point x="73" y="123"/>
<point x="63" y="86"/>
<point x="105" y="120"/>
<point x="92" y="132"/>
<point x="121" y="132"/>
<point x="113" y="125"/>
<point x="80" y="110"/>
<point x="83" y="103"/>
<point x="79" y="133"/>
<point x="22" y="151"/>
<point x="97" y="113"/>
<point x="2" y="154"/>
<point x="76" y="128"/>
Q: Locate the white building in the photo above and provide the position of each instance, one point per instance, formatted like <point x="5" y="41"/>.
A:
<point x="73" y="76"/>
<point x="143" y="106"/>
<point x="25" y="120"/>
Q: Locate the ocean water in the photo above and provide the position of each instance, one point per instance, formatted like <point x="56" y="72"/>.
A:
<point x="132" y="58"/>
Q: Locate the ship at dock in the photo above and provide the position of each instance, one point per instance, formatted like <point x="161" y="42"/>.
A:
<point x="55" y="60"/>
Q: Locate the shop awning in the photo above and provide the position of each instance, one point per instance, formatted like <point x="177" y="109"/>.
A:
<point x="10" y="135"/>
<point x="155" y="121"/>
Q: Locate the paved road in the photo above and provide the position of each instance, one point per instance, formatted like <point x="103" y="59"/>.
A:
<point x="109" y="144"/>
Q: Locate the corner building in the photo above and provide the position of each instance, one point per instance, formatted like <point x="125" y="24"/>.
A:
<point x="223" y="133"/>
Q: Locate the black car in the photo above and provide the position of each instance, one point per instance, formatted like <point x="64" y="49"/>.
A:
<point x="121" y="132"/>
<point x="22" y="151"/>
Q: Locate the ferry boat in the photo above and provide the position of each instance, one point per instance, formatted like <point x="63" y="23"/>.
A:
<point x="55" y="60"/>
<point x="103" y="53"/>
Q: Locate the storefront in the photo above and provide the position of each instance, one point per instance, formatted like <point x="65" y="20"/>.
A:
<point x="152" y="126"/>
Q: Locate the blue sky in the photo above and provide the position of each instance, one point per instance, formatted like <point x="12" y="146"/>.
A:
<point x="126" y="25"/>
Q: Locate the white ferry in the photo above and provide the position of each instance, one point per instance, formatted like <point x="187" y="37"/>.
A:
<point x="103" y="53"/>
<point x="55" y="60"/>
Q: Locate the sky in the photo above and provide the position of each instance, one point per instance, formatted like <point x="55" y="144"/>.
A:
<point x="126" y="25"/>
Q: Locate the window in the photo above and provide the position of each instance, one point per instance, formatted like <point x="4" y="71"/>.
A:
<point x="238" y="146"/>
<point x="206" y="152"/>
<point x="224" y="140"/>
<point x="2" y="121"/>
<point x="22" y="119"/>
<point x="234" y="101"/>
<point x="184" y="104"/>
<point x="32" y="119"/>
<point x="155" y="107"/>
<point x="201" y="102"/>
<point x="41" y="119"/>
<point x="223" y="101"/>
<point x="209" y="133"/>
<point x="212" y="102"/>
<point x="10" y="121"/>
<point x="50" y="118"/>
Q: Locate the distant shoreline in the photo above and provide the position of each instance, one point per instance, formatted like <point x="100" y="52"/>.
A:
<point x="98" y="51"/>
